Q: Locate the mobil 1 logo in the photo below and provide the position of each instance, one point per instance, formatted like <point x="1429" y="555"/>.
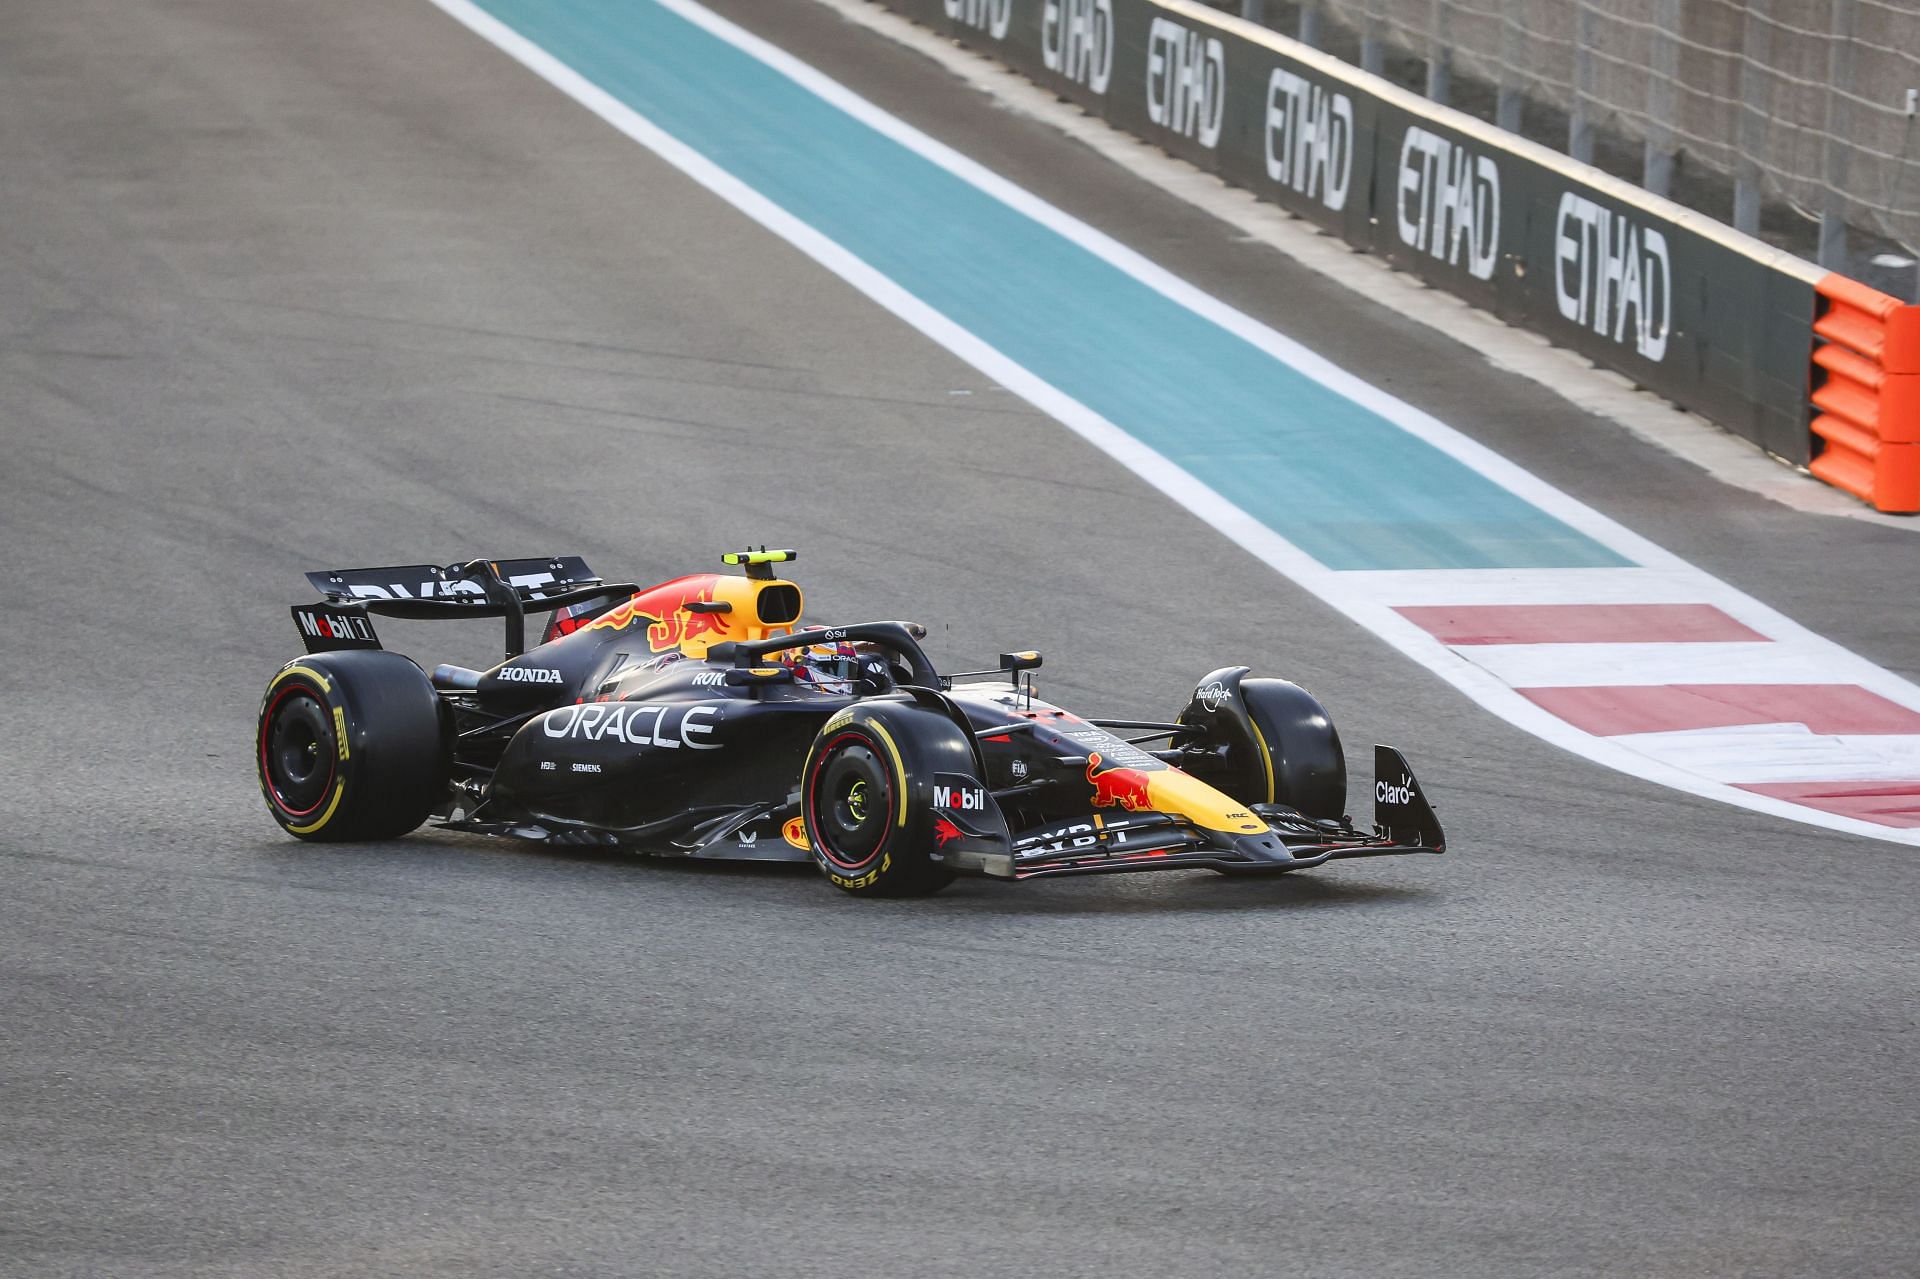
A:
<point x="325" y="628"/>
<point x="956" y="793"/>
<point x="960" y="805"/>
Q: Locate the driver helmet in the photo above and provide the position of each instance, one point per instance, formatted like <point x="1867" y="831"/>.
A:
<point x="843" y="669"/>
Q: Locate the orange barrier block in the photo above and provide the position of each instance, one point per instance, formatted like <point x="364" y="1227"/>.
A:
<point x="1869" y="394"/>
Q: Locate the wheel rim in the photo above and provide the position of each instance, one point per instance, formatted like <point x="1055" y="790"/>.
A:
<point x="296" y="751"/>
<point x="850" y="803"/>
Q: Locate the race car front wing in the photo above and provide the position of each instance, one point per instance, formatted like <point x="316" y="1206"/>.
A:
<point x="1404" y="823"/>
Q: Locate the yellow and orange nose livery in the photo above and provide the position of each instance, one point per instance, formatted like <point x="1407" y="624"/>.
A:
<point x="1168" y="790"/>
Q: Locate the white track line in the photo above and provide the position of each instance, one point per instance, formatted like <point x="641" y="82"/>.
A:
<point x="1601" y="665"/>
<point x="1760" y="753"/>
<point x="1410" y="587"/>
<point x="1352" y="597"/>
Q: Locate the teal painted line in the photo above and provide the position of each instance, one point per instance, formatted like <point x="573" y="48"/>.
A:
<point x="1342" y="483"/>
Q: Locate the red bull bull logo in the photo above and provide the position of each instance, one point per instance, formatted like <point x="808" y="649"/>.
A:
<point x="661" y="608"/>
<point x="1118" y="787"/>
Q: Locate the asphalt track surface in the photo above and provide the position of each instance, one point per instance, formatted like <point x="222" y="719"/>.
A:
<point x="292" y="286"/>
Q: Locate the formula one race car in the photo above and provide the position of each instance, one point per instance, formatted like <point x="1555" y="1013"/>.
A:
<point x="698" y="718"/>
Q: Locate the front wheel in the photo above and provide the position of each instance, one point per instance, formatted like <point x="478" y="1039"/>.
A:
<point x="1299" y="750"/>
<point x="351" y="745"/>
<point x="867" y="797"/>
<point x="1267" y="741"/>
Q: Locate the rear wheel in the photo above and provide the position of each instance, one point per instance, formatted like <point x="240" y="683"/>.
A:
<point x="866" y="797"/>
<point x="351" y="745"/>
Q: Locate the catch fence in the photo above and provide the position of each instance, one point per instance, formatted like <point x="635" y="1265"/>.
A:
<point x="1791" y="119"/>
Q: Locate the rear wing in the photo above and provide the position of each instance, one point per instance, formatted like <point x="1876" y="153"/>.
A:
<point x="464" y="584"/>
<point x="479" y="588"/>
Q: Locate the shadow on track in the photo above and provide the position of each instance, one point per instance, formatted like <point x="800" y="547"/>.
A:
<point x="1166" y="892"/>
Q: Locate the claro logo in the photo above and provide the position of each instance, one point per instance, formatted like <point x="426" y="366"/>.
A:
<point x="1309" y="138"/>
<point x="1606" y="266"/>
<point x="1076" y="40"/>
<point x="990" y="16"/>
<point x="1390" y="793"/>
<point x="1186" y="81"/>
<point x="1448" y="202"/>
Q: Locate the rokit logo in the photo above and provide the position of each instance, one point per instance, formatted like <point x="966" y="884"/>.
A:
<point x="1387" y="793"/>
<point x="709" y="679"/>
<point x="1605" y="267"/>
<point x="638" y="724"/>
<point x="1309" y="138"/>
<point x="1448" y="202"/>
<point x="1076" y="40"/>
<point x="990" y="16"/>
<point x="527" y="675"/>
<point x="1186" y="81"/>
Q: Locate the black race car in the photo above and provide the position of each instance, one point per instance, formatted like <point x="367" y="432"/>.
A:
<point x="699" y="718"/>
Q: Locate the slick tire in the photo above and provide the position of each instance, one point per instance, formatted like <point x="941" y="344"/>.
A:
<point x="352" y="745"/>
<point x="866" y="796"/>
<point x="1300" y="761"/>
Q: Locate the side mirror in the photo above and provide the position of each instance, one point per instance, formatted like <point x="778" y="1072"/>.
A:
<point x="1026" y="661"/>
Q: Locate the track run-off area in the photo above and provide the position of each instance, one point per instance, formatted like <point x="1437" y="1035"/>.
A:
<point x="1551" y="615"/>
<point x="292" y="287"/>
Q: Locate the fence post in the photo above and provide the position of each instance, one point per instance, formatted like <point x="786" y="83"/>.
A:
<point x="1580" y="119"/>
<point x="1756" y="48"/>
<point x="1254" y="11"/>
<point x="1440" y="51"/>
<point x="1657" y="165"/>
<point x="1833" y="204"/>
<point x="1373" y="50"/>
<point x="1310" y="19"/>
<point x="1507" y="103"/>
